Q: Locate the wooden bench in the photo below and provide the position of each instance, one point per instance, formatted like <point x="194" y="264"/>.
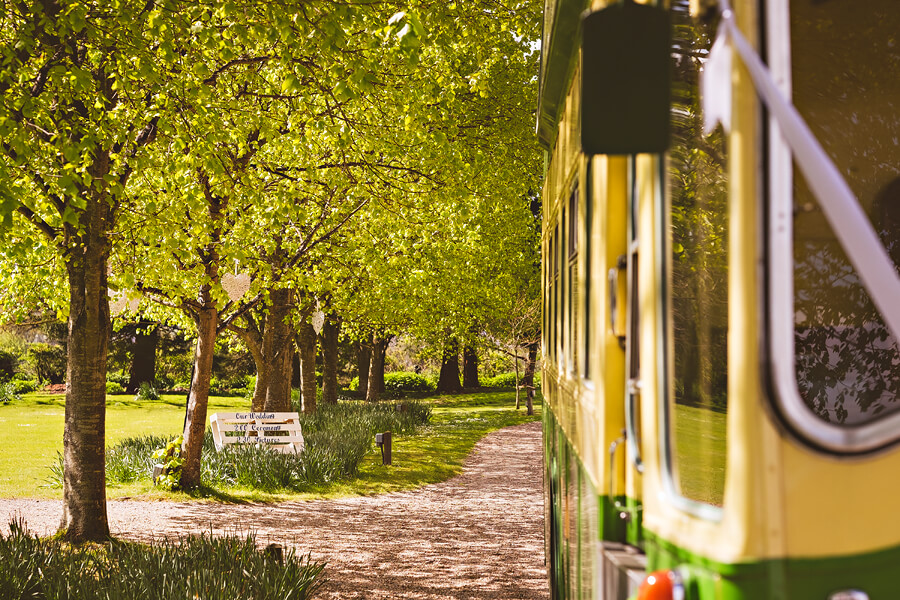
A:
<point x="278" y="430"/>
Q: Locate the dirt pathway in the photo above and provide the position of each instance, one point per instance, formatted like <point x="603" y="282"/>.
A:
<point x="479" y="535"/>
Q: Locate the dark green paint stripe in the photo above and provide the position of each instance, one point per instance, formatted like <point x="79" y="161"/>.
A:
<point x="780" y="579"/>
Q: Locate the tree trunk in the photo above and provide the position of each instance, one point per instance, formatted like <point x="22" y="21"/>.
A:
<point x="143" y="363"/>
<point x="84" y="438"/>
<point x="376" y="368"/>
<point x="207" y="320"/>
<point x="528" y="379"/>
<point x="261" y="388"/>
<point x="448" y="381"/>
<point x="198" y="400"/>
<point x="517" y="381"/>
<point x="364" y="362"/>
<point x="330" y="332"/>
<point x="252" y="338"/>
<point x="278" y="350"/>
<point x="307" y="341"/>
<point x="470" y="367"/>
<point x="296" y="373"/>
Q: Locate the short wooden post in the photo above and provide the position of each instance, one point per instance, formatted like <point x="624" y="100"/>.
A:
<point x="383" y="440"/>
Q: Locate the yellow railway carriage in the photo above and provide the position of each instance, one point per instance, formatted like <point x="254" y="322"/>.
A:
<point x="721" y="298"/>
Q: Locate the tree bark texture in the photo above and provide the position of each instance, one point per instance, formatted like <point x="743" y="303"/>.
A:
<point x="278" y="349"/>
<point x="528" y="378"/>
<point x="143" y="362"/>
<point x="253" y="339"/>
<point x="376" y="367"/>
<point x="364" y="362"/>
<point x="198" y="400"/>
<point x="84" y="438"/>
<point x="306" y="339"/>
<point x="470" y="367"/>
<point x="261" y="388"/>
<point x="330" y="332"/>
<point x="448" y="381"/>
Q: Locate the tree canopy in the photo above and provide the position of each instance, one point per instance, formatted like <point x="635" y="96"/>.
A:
<point x="375" y="158"/>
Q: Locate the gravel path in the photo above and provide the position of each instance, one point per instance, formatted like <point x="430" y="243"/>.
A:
<point x="478" y="535"/>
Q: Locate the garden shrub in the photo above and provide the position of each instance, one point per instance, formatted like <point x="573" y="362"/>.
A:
<point x="218" y="387"/>
<point x="22" y="384"/>
<point x="402" y="381"/>
<point x="47" y="362"/>
<point x="114" y="388"/>
<point x="146" y="392"/>
<point x="403" y="417"/>
<point x="241" y="384"/>
<point x="8" y="393"/>
<point x="163" y="382"/>
<point x="508" y="380"/>
<point x="190" y="567"/>
<point x="122" y="379"/>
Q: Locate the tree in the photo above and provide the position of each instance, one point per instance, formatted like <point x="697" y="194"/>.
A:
<point x="438" y="260"/>
<point x="263" y="144"/>
<point x="82" y="89"/>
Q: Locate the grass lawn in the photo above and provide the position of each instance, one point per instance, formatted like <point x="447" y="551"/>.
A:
<point x="33" y="430"/>
<point x="700" y="453"/>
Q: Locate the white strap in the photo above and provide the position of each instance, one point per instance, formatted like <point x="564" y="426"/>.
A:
<point x="847" y="218"/>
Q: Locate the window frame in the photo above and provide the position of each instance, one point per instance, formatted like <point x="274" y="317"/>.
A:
<point x="785" y="399"/>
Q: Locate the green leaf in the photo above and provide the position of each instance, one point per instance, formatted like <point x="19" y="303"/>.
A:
<point x="291" y="84"/>
<point x="343" y="92"/>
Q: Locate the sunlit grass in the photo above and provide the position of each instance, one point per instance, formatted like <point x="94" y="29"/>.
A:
<point x="33" y="429"/>
<point x="700" y="453"/>
<point x="434" y="454"/>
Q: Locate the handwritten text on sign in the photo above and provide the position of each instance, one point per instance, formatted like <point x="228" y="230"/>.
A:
<point x="255" y="427"/>
<point x="254" y="415"/>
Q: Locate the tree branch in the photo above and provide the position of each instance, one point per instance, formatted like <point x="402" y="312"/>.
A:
<point x="45" y="228"/>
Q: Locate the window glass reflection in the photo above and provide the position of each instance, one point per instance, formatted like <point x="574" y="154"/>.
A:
<point x="698" y="300"/>
<point x="846" y="84"/>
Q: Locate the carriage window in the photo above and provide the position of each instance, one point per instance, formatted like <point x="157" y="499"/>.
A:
<point x="572" y="278"/>
<point x="698" y="281"/>
<point x="846" y="84"/>
<point x="545" y="265"/>
<point x="554" y="289"/>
